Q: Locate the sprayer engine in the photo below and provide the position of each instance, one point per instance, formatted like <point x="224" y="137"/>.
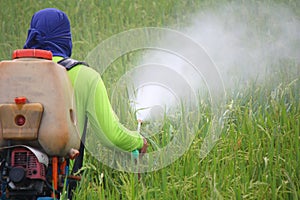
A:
<point x="25" y="166"/>
<point x="23" y="173"/>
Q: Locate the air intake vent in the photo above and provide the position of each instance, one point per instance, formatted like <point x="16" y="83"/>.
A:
<point x="20" y="159"/>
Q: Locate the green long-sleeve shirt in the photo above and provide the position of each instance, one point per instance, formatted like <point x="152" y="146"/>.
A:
<point x="92" y="101"/>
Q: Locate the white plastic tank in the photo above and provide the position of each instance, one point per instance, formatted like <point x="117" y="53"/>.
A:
<point x="49" y="112"/>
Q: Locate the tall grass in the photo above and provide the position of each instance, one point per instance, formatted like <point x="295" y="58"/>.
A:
<point x="258" y="154"/>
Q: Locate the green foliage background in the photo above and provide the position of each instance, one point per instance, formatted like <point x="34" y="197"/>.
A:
<point x="258" y="154"/>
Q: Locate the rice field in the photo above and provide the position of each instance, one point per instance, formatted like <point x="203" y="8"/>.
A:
<point x="257" y="155"/>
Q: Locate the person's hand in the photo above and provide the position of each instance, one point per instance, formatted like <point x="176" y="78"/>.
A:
<point x="143" y="150"/>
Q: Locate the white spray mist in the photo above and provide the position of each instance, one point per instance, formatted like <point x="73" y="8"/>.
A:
<point x="244" y="40"/>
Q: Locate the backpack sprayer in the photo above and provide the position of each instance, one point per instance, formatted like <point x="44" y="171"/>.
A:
<point x="38" y="132"/>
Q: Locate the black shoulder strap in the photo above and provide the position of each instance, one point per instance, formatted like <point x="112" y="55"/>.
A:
<point x="68" y="63"/>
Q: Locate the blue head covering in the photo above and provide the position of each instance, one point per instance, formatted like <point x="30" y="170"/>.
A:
<point x="50" y="30"/>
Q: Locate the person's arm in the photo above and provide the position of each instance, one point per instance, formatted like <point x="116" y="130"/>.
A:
<point x="102" y="118"/>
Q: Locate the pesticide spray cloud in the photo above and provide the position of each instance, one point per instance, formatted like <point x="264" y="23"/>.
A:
<point x="244" y="41"/>
<point x="222" y="46"/>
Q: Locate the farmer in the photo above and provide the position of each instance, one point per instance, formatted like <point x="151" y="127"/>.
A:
<point x="50" y="30"/>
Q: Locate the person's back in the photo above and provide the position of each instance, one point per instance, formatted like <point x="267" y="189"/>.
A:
<point x="50" y="30"/>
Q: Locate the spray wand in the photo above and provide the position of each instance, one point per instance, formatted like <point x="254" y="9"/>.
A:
<point x="136" y="152"/>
